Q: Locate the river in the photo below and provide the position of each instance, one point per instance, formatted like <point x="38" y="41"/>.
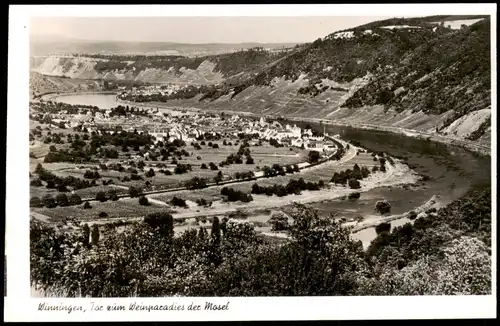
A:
<point x="102" y="101"/>
<point x="451" y="170"/>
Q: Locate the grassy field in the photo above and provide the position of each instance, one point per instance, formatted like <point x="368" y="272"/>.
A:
<point x="209" y="194"/>
<point x="262" y="155"/>
<point x="114" y="209"/>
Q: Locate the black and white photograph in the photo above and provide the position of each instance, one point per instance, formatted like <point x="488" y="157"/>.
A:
<point x="258" y="156"/>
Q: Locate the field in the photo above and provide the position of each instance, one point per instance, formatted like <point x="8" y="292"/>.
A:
<point x="262" y="155"/>
<point x="323" y="172"/>
<point x="115" y="209"/>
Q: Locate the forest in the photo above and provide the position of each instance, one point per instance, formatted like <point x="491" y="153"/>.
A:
<point x="447" y="252"/>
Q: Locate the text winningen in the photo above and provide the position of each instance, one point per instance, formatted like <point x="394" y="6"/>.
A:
<point x="133" y="307"/>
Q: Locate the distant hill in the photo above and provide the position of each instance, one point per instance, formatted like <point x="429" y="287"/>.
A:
<point x="43" y="45"/>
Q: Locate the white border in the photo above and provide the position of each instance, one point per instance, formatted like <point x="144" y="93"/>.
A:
<point x="19" y="306"/>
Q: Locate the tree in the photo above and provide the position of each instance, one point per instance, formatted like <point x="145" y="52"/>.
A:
<point x="213" y="166"/>
<point x="113" y="195"/>
<point x="412" y="215"/>
<point x="143" y="201"/>
<point x="62" y="188"/>
<point x="354" y="195"/>
<point x="196" y="183"/>
<point x="95" y="235"/>
<point x="62" y="200"/>
<point x="134" y="192"/>
<point x="39" y="168"/>
<point x="101" y="196"/>
<point x="249" y="160"/>
<point x="356" y="172"/>
<point x="278" y="221"/>
<point x="383" y="207"/>
<point x="463" y="267"/>
<point x="150" y="173"/>
<point x="164" y="222"/>
<point x="218" y="177"/>
<point x="85" y="235"/>
<point x="87" y="205"/>
<point x="176" y="201"/>
<point x="36" y="183"/>
<point x="75" y="199"/>
<point x="103" y="214"/>
<point x="354" y="184"/>
<point x="313" y="157"/>
<point x="203" y="166"/>
<point x="215" y="232"/>
<point x="36" y="202"/>
<point x="49" y="201"/>
<point x="383" y="228"/>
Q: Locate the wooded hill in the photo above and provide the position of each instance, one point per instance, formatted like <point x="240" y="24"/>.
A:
<point x="427" y="67"/>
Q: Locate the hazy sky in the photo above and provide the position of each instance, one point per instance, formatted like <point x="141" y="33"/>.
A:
<point x="196" y="29"/>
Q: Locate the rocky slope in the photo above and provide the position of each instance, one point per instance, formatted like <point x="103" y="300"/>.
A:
<point x="41" y="84"/>
<point x="90" y="68"/>
<point x="206" y="70"/>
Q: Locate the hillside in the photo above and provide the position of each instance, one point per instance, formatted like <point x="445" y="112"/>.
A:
<point x="423" y="77"/>
<point x="40" y="84"/>
<point x="203" y="70"/>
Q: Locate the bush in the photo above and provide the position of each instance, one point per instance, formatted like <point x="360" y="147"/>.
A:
<point x="196" y="183"/>
<point x="201" y="202"/>
<point x="236" y="195"/>
<point x="143" y="201"/>
<point x="383" y="207"/>
<point x="278" y="221"/>
<point x="36" y="202"/>
<point x="383" y="228"/>
<point x="103" y="214"/>
<point x="313" y="157"/>
<point x="36" y="183"/>
<point x="49" y="201"/>
<point x="87" y="205"/>
<point x="354" y="195"/>
<point x="161" y="220"/>
<point x="101" y="196"/>
<point x="134" y="192"/>
<point x="354" y="184"/>
<point x="213" y="166"/>
<point x="62" y="200"/>
<point x="176" y="201"/>
<point x="150" y="173"/>
<point x="412" y="215"/>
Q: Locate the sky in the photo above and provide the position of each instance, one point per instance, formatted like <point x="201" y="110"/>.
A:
<point x="196" y="29"/>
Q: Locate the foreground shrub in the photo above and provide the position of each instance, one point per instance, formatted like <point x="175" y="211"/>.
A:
<point x="278" y="221"/>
